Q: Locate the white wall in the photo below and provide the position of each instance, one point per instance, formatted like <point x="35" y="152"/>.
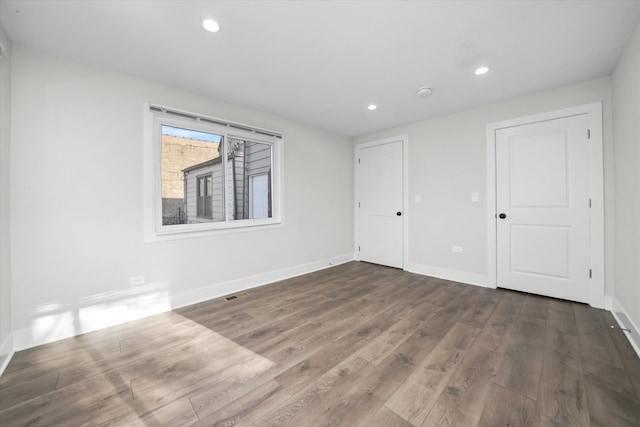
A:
<point x="77" y="203"/>
<point x="447" y="162"/>
<point x="626" y="105"/>
<point x="5" y="254"/>
<point x="76" y="196"/>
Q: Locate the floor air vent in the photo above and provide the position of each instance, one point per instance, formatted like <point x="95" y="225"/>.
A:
<point x="236" y="296"/>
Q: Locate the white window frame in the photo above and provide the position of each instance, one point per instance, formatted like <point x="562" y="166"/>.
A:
<point x="154" y="117"/>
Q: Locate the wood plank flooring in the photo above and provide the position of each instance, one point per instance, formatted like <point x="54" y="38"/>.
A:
<point x="353" y="345"/>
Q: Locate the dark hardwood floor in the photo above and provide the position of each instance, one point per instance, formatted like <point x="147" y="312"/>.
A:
<point x="354" y="345"/>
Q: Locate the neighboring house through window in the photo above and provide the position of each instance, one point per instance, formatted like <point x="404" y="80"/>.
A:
<point x="209" y="174"/>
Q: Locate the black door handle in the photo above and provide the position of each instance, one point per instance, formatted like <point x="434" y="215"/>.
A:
<point x="502" y="216"/>
<point x="399" y="213"/>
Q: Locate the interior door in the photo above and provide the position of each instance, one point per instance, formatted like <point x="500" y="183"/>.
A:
<point x="380" y="203"/>
<point x="542" y="205"/>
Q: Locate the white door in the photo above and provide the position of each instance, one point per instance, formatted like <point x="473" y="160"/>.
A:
<point x="380" y="203"/>
<point x="542" y="205"/>
<point x="259" y="196"/>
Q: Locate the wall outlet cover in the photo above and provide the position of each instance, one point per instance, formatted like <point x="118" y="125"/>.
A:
<point x="136" y="280"/>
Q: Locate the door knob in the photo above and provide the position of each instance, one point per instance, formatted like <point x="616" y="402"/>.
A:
<point x="399" y="213"/>
<point x="502" y="216"/>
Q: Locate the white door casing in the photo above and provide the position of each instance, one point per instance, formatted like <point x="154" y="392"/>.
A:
<point x="380" y="202"/>
<point x="545" y="175"/>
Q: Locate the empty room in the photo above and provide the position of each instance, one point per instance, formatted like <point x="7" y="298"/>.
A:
<point x="315" y="213"/>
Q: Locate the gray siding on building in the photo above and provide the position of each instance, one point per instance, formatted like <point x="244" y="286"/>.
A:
<point x="248" y="159"/>
<point x="217" y="195"/>
<point x="257" y="161"/>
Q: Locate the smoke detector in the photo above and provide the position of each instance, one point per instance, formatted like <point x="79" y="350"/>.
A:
<point x="425" y="91"/>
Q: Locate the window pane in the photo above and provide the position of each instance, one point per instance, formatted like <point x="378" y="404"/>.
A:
<point x="248" y="160"/>
<point x="192" y="178"/>
<point x="199" y="196"/>
<point x="208" y="208"/>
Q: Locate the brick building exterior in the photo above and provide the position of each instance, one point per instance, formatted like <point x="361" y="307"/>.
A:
<point x="179" y="153"/>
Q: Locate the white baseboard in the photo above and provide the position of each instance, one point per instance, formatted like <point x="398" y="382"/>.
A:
<point x="6" y="353"/>
<point x="453" y="275"/>
<point x="221" y="289"/>
<point x="624" y="321"/>
<point x="125" y="306"/>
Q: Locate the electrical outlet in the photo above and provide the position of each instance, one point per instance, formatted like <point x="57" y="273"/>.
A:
<point x="457" y="249"/>
<point x="136" y="280"/>
<point x="475" y="196"/>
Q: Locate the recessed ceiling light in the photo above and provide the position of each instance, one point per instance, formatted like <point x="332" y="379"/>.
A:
<point x="211" y="25"/>
<point x="372" y="107"/>
<point x="481" y="70"/>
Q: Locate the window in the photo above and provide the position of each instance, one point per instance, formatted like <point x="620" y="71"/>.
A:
<point x="204" y="196"/>
<point x="205" y="175"/>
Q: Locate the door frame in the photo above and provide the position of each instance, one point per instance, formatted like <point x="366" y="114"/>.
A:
<point x="405" y="185"/>
<point x="593" y="112"/>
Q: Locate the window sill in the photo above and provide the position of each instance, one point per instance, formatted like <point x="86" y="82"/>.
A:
<point x="190" y="231"/>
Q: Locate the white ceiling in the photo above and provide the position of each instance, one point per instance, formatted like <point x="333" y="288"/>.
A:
<point x="323" y="62"/>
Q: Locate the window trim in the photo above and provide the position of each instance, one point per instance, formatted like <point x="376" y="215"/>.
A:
<point x="154" y="117"/>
